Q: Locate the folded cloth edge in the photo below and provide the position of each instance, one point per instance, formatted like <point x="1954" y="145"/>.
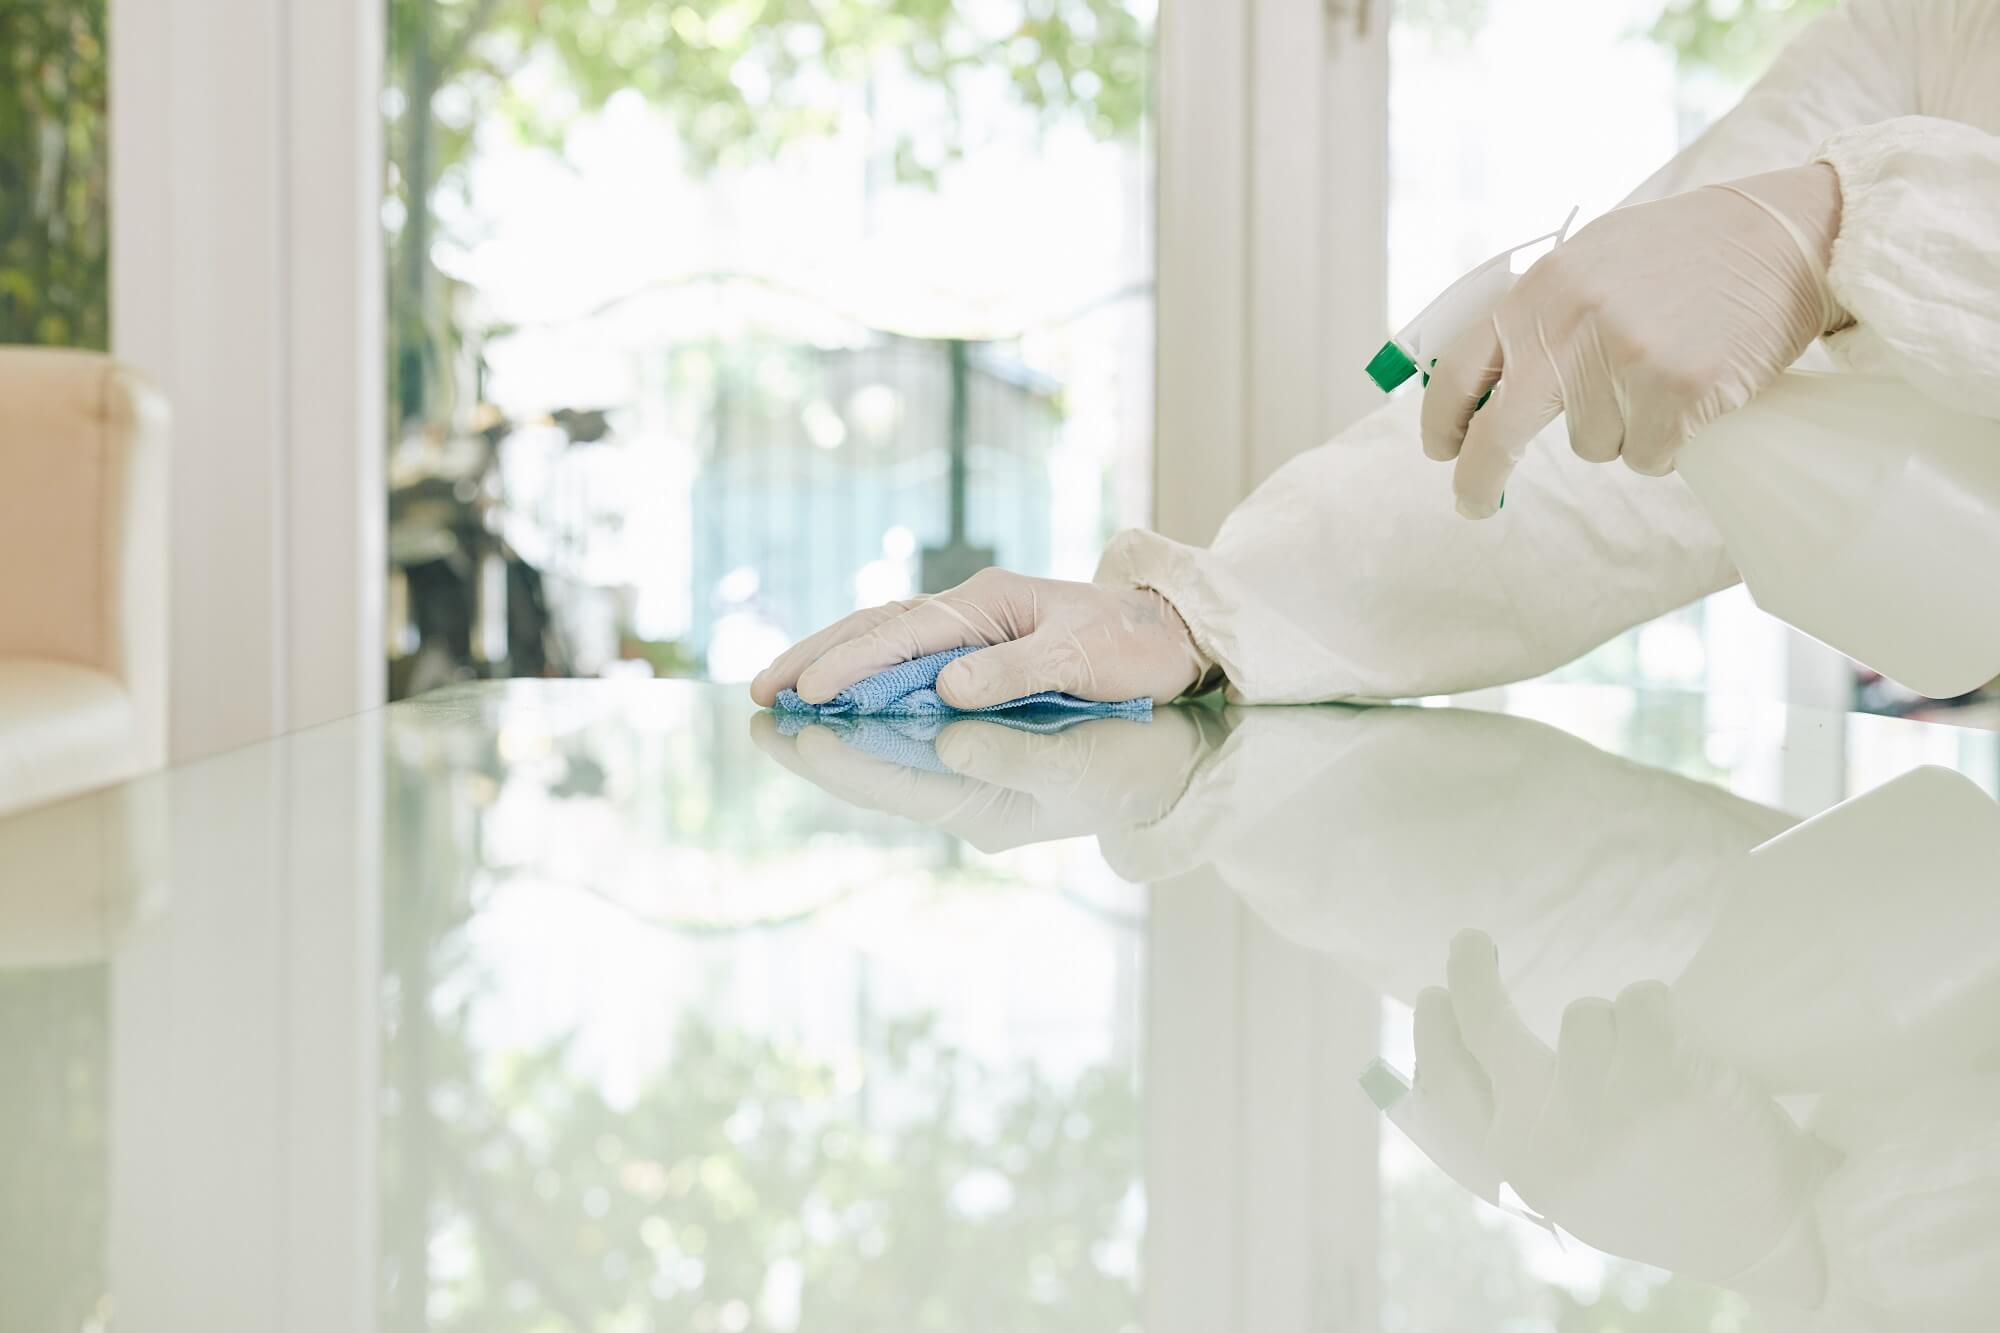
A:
<point x="909" y="690"/>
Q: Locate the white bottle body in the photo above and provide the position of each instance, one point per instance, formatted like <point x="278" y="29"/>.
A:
<point x="1866" y="515"/>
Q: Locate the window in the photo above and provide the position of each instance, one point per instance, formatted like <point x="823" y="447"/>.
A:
<point x="716" y="321"/>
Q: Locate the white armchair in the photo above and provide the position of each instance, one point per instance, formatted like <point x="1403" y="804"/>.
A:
<point x="83" y="574"/>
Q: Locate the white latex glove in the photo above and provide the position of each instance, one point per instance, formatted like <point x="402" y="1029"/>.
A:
<point x="1622" y="1135"/>
<point x="1645" y="326"/>
<point x="1011" y="787"/>
<point x="1096" y="643"/>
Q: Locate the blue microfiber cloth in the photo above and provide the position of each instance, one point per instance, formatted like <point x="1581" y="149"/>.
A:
<point x="911" y="742"/>
<point x="910" y="690"/>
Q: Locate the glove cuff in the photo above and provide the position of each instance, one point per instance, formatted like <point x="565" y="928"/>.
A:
<point x="1815" y="249"/>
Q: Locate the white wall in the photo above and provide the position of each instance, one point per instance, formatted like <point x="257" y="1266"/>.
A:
<point x="246" y="280"/>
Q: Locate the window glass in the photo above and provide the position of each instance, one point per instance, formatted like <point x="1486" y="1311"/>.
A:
<point x="715" y="321"/>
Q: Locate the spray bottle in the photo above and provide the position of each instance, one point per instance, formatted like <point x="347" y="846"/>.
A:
<point x="1858" y="510"/>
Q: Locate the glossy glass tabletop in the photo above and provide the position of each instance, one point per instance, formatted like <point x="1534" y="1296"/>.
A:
<point x="591" y="1006"/>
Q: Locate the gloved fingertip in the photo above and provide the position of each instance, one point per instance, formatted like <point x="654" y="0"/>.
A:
<point x="817" y="687"/>
<point x="1473" y="946"/>
<point x="1441" y="449"/>
<point x="958" y="685"/>
<point x="1588" y="1021"/>
<point x="1479" y="509"/>
<point x="958" y="749"/>
<point x="1433" y="1016"/>
<point x="820" y="739"/>
<point x="1472" y="974"/>
<point x="1647" y="1009"/>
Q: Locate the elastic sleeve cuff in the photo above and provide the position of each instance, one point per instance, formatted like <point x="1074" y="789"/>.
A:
<point x="1875" y="196"/>
<point x="1913" y="261"/>
<point x="1137" y="558"/>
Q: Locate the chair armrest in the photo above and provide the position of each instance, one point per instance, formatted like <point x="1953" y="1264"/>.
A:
<point x="138" y="434"/>
<point x="83" y="524"/>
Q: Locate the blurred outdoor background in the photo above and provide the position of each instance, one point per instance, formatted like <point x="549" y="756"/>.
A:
<point x="713" y="320"/>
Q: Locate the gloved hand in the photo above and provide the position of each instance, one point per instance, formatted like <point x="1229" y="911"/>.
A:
<point x="1096" y="643"/>
<point x="1645" y="326"/>
<point x="1009" y="787"/>
<point x="1622" y="1135"/>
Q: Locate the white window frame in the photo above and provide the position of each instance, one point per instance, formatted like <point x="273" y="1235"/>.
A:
<point x="1261" y="1165"/>
<point x="246" y="281"/>
<point x="1273" y="239"/>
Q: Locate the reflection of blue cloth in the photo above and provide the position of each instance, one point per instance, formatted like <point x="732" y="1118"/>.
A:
<point x="911" y="742"/>
<point x="908" y="742"/>
<point x="910" y="690"/>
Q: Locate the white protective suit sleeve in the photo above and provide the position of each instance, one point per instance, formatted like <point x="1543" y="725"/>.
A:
<point x="1348" y="574"/>
<point x="1917" y="261"/>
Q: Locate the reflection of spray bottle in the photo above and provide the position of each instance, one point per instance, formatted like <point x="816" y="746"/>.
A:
<point x="1857" y="509"/>
<point x="1860" y="949"/>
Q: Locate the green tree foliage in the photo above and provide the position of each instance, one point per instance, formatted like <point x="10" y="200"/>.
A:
<point x="1452" y="19"/>
<point x="745" y="1162"/>
<point x="740" y="80"/>
<point x="1733" y="38"/>
<point x="53" y="233"/>
<point x="744" y="78"/>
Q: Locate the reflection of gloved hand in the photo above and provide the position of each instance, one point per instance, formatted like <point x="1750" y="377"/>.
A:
<point x="1010" y="787"/>
<point x="1623" y="1136"/>
<point x="1647" y="325"/>
<point x="1096" y="643"/>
